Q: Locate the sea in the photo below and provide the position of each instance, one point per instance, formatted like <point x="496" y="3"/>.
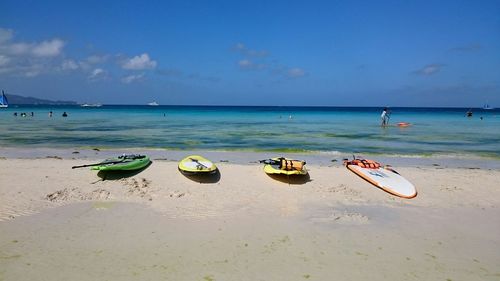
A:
<point x="346" y="130"/>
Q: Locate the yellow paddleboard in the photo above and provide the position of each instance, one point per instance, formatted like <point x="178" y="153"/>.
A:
<point x="195" y="164"/>
<point x="274" y="166"/>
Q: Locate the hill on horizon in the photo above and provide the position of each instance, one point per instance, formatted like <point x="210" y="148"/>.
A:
<point x="17" y="99"/>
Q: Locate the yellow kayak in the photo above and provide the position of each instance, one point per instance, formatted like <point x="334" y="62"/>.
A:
<point x="195" y="164"/>
<point x="284" y="166"/>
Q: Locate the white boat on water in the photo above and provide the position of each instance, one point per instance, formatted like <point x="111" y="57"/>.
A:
<point x="3" y="101"/>
<point x="91" y="105"/>
<point x="154" y="103"/>
<point x="487" y="107"/>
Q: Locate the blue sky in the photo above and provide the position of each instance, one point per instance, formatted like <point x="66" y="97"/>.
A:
<point x="338" y="53"/>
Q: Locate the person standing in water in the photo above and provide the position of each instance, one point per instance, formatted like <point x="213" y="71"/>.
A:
<point x="384" y="117"/>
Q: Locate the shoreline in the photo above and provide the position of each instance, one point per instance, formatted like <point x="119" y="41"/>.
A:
<point x="251" y="157"/>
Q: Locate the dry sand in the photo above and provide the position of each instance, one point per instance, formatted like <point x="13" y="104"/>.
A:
<point x="63" y="224"/>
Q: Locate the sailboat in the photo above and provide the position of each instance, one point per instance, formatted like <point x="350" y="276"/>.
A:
<point x="487" y="107"/>
<point x="3" y="100"/>
<point x="154" y="103"/>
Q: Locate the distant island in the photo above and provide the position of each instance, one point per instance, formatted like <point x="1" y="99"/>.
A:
<point x="15" y="99"/>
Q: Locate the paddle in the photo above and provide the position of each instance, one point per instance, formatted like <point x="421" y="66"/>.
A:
<point x="123" y="157"/>
<point x="198" y="162"/>
<point x="98" y="164"/>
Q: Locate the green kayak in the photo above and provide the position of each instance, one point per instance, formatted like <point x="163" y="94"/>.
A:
<point x="123" y="163"/>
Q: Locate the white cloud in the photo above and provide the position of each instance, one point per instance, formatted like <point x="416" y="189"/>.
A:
<point x="242" y="49"/>
<point x="96" y="59"/>
<point x="69" y="65"/>
<point x="50" y="48"/>
<point x="35" y="71"/>
<point x="245" y="64"/>
<point x="132" y="78"/>
<point x="90" y="62"/>
<point x="16" y="49"/>
<point x="5" y="35"/>
<point x="258" y="60"/>
<point x="98" y="74"/>
<point x="139" y="63"/>
<point x="295" y="72"/>
<point x="24" y="70"/>
<point x="249" y="65"/>
<point x="429" y="69"/>
<point x="4" y="60"/>
<point x="239" y="46"/>
<point x="28" y="59"/>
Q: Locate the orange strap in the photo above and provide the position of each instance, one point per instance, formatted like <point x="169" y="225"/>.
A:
<point x="364" y="163"/>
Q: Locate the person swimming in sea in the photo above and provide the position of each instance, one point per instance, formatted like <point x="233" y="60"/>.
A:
<point x="65" y="114"/>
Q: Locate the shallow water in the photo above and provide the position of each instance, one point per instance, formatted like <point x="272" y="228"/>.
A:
<point x="291" y="129"/>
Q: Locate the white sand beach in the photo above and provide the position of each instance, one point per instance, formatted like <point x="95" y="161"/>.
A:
<point x="63" y="224"/>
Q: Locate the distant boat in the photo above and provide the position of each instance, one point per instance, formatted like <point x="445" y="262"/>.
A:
<point x="154" y="103"/>
<point x="3" y="101"/>
<point x="487" y="107"/>
<point x="91" y="105"/>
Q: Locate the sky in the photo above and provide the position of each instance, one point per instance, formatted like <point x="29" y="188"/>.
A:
<point x="282" y="53"/>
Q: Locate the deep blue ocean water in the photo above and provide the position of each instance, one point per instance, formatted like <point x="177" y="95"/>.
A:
<point x="434" y="131"/>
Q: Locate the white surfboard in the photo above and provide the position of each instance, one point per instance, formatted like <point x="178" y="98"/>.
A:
<point x="386" y="179"/>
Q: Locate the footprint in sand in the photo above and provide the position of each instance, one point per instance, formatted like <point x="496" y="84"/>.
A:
<point x="74" y="194"/>
<point x="343" y="217"/>
<point x="98" y="194"/>
<point x="177" y="194"/>
<point x="139" y="188"/>
<point x="349" y="193"/>
<point x="451" y="189"/>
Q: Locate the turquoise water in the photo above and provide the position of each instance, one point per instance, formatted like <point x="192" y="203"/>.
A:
<point x="325" y="129"/>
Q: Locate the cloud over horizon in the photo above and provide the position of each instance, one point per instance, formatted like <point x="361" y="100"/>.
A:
<point x="47" y="48"/>
<point x="246" y="64"/>
<point x="27" y="59"/>
<point x="295" y="72"/>
<point x="429" y="69"/>
<point x="132" y="78"/>
<point x="98" y="74"/>
<point x="243" y="50"/>
<point x="258" y="61"/>
<point x="140" y="62"/>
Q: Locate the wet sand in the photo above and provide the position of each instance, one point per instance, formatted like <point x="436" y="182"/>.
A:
<point x="63" y="224"/>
